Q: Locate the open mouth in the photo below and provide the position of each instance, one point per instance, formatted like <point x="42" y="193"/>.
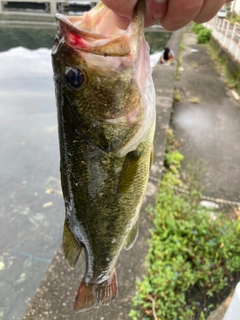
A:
<point x="95" y="28"/>
<point x="96" y="32"/>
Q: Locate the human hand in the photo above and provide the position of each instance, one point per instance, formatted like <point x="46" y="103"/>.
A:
<point x="172" y="14"/>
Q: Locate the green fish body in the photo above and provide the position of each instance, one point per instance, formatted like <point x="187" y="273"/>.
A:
<point x="106" y="119"/>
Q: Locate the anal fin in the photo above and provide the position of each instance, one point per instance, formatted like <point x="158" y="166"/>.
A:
<point x="71" y="248"/>
<point x="131" y="237"/>
<point x="92" y="294"/>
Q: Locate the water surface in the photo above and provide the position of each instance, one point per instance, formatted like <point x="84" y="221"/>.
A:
<point x="31" y="204"/>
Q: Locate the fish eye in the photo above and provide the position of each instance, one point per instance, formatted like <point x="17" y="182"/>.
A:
<point x="74" y="78"/>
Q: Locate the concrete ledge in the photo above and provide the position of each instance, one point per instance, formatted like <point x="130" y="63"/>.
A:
<point x="233" y="66"/>
<point x="55" y="295"/>
<point x="219" y="313"/>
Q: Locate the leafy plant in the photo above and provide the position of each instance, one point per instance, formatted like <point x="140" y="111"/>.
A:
<point x="236" y="19"/>
<point x="173" y="159"/>
<point x="191" y="257"/>
<point x="233" y="17"/>
<point x="196" y="28"/>
<point x="204" y="36"/>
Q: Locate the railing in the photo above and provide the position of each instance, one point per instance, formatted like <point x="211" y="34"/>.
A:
<point x="50" y="7"/>
<point x="227" y="34"/>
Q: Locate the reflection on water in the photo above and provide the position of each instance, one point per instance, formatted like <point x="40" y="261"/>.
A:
<point x="35" y="37"/>
<point x="31" y="37"/>
<point x="156" y="40"/>
<point x="31" y="204"/>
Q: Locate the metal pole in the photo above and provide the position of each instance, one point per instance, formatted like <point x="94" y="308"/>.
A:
<point x="53" y="7"/>
<point x="233" y="8"/>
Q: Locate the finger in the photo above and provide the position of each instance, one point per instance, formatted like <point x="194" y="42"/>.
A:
<point x="123" y="8"/>
<point x="120" y="22"/>
<point x="209" y="10"/>
<point x="181" y="12"/>
<point x="122" y="11"/>
<point x="155" y="11"/>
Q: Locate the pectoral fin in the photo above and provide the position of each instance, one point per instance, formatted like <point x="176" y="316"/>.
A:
<point x="71" y="248"/>
<point x="129" y="170"/>
<point x="132" y="237"/>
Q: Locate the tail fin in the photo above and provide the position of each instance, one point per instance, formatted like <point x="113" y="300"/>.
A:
<point x="93" y="294"/>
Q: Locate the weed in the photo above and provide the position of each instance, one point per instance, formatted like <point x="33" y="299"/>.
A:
<point x="182" y="47"/>
<point x="190" y="257"/>
<point x="196" y="28"/>
<point x="194" y="100"/>
<point x="232" y="80"/>
<point x="178" y="71"/>
<point x="204" y="36"/>
<point x="177" y="95"/>
<point x="233" y="17"/>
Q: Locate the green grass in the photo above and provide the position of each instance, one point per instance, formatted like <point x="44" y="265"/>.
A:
<point x="233" y="17"/>
<point x="191" y="258"/>
<point x="220" y="62"/>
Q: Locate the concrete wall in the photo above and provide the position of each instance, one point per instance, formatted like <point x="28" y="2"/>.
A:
<point x="232" y="65"/>
<point x="236" y="6"/>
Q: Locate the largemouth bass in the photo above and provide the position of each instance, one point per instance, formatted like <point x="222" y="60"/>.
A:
<point x="106" y="118"/>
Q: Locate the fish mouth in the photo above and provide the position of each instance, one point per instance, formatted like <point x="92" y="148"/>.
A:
<point x="96" y="32"/>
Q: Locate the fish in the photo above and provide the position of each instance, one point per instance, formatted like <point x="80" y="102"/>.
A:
<point x="106" y="122"/>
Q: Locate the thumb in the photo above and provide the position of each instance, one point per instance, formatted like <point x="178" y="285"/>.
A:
<point x="123" y="11"/>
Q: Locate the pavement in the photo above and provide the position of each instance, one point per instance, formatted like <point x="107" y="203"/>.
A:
<point x="207" y="120"/>
<point x="211" y="132"/>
